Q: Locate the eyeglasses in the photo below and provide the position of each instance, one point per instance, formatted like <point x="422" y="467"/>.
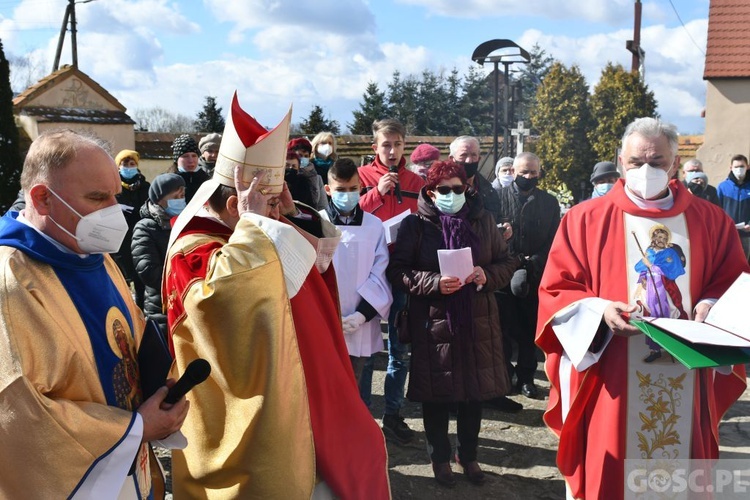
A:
<point x="459" y="189"/>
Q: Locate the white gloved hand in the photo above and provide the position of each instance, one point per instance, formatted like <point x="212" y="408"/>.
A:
<point x="352" y="322"/>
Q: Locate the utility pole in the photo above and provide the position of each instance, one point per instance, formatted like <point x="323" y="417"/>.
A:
<point x="70" y="16"/>
<point x="73" y="32"/>
<point x="61" y="38"/>
<point x="634" y="45"/>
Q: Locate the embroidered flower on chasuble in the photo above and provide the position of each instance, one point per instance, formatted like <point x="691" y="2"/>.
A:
<point x="662" y="398"/>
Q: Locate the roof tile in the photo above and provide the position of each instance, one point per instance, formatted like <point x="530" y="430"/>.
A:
<point x="728" y="50"/>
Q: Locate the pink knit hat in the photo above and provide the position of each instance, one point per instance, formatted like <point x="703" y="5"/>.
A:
<point x="424" y="153"/>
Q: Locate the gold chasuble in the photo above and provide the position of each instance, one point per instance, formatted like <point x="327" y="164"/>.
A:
<point x="55" y="422"/>
<point x="248" y="428"/>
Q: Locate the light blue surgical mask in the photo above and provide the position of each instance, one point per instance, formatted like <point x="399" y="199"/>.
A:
<point x="175" y="206"/>
<point x="602" y="189"/>
<point x="450" y="203"/>
<point x="345" y="201"/>
<point x="128" y="172"/>
<point x="304" y="162"/>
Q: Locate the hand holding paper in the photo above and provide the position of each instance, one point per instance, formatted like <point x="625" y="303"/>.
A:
<point x="477" y="277"/>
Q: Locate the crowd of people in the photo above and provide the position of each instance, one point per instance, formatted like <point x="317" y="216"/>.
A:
<point x="277" y="261"/>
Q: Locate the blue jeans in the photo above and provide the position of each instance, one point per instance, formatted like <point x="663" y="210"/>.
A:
<point x="398" y="365"/>
<point x="398" y="360"/>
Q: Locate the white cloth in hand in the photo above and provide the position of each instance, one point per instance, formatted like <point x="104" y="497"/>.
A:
<point x="175" y="441"/>
<point x="352" y="322"/>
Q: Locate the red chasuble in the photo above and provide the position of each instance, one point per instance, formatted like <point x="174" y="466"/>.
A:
<point x="591" y="411"/>
<point x="349" y="447"/>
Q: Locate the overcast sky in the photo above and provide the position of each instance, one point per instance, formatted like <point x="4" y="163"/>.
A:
<point x="172" y="54"/>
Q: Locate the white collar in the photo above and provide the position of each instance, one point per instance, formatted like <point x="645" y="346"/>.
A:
<point x="661" y="203"/>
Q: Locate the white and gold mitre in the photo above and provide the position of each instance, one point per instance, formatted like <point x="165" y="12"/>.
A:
<point x="247" y="143"/>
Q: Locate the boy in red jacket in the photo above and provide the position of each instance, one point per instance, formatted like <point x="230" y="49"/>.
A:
<point x="390" y="189"/>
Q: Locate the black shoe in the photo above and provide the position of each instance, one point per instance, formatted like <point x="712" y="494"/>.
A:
<point x="652" y="357"/>
<point x="529" y="390"/>
<point x="396" y="429"/>
<point x="504" y="403"/>
<point x="444" y="475"/>
<point x="472" y="471"/>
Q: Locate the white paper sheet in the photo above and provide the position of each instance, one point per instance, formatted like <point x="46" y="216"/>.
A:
<point x="699" y="333"/>
<point x="456" y="263"/>
<point x="725" y="323"/>
<point x="391" y="226"/>
<point x="729" y="311"/>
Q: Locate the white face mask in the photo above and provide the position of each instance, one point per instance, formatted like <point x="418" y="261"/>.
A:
<point x="739" y="172"/>
<point x="325" y="150"/>
<point x="646" y="181"/>
<point x="505" y="180"/>
<point x="101" y="231"/>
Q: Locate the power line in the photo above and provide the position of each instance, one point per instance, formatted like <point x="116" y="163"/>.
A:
<point x="685" y="28"/>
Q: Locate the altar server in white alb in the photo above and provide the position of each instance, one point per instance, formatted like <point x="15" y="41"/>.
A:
<point x="360" y="262"/>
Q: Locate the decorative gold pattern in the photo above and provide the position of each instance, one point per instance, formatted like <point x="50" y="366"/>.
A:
<point x="662" y="398"/>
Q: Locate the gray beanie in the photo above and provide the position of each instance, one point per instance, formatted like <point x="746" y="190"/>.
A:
<point x="164" y="184"/>
<point x="209" y="140"/>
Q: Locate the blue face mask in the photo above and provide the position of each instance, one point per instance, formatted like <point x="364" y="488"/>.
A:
<point x="128" y="172"/>
<point x="601" y="190"/>
<point x="449" y="203"/>
<point x="345" y="201"/>
<point x="304" y="162"/>
<point x="175" y="206"/>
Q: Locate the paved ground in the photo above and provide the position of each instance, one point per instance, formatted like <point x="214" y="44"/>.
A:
<point x="517" y="451"/>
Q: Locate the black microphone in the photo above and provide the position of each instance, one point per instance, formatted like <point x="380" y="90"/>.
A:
<point x="195" y="373"/>
<point x="396" y="188"/>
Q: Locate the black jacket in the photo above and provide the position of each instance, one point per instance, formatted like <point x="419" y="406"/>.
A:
<point x="193" y="181"/>
<point x="708" y="193"/>
<point x="488" y="196"/>
<point x="149" y="246"/>
<point x="134" y="194"/>
<point x="534" y="220"/>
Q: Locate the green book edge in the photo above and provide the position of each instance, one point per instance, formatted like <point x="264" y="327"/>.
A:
<point x="690" y="354"/>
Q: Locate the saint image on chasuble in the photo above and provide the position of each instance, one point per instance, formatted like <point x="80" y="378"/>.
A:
<point x="126" y="385"/>
<point x="660" y="390"/>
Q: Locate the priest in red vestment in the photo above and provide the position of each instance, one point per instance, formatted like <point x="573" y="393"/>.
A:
<point x="610" y="400"/>
<point x="252" y="291"/>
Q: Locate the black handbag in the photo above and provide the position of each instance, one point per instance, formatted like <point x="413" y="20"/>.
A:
<point x="402" y="324"/>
